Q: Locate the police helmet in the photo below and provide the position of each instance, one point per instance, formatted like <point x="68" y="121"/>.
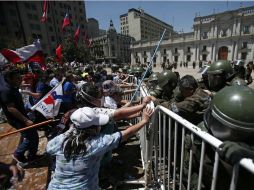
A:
<point x="167" y="77"/>
<point x="218" y="74"/>
<point x="230" y="116"/>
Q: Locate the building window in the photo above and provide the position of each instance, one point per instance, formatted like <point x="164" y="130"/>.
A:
<point x="52" y="38"/>
<point x="33" y="6"/>
<point x="246" y="29"/>
<point x="224" y="33"/>
<point x="244" y="55"/>
<point x="27" y="5"/>
<point x="244" y="45"/>
<point x="145" y="60"/>
<point x="12" y="12"/>
<point x="164" y="59"/>
<point x="205" y="35"/>
<point x="29" y="16"/>
<point x="51" y="29"/>
<point x="204" y="48"/>
<point x="188" y="49"/>
<point x="176" y="58"/>
<point x="144" y="52"/>
<point x="175" y="50"/>
<point x="188" y="57"/>
<point x="165" y="51"/>
<point x="204" y="56"/>
<point x="35" y="27"/>
<point x="35" y="17"/>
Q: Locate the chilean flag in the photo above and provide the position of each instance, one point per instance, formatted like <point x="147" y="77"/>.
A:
<point x="76" y="35"/>
<point x="49" y="105"/>
<point x="88" y="41"/>
<point x="45" y="10"/>
<point x="66" y="21"/>
<point x="59" y="55"/>
<point x="30" y="53"/>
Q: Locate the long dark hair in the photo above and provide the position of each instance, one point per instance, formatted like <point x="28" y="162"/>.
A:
<point x="75" y="143"/>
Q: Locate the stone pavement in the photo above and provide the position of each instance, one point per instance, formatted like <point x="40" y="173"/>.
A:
<point x="194" y="72"/>
<point x="35" y="177"/>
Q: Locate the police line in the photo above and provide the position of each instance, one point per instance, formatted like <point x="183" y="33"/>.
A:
<point x="163" y="143"/>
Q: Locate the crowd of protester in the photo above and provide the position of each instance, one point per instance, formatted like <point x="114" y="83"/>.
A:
<point x="81" y="144"/>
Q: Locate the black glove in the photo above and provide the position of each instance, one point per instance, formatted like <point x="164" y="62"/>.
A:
<point x="233" y="152"/>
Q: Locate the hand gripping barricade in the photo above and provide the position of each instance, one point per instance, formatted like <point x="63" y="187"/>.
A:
<point x="168" y="140"/>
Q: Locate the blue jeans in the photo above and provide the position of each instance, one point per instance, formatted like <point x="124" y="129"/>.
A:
<point x="29" y="142"/>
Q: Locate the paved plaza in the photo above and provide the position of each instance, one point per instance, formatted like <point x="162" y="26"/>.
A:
<point x="190" y="71"/>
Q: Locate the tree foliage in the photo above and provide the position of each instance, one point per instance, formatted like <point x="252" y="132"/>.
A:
<point x="71" y="51"/>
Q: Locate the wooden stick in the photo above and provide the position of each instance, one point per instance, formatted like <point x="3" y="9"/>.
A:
<point x="29" y="127"/>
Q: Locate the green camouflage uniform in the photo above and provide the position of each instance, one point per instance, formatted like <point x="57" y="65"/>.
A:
<point x="155" y="91"/>
<point x="191" y="108"/>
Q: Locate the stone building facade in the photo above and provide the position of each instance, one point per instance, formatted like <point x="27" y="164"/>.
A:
<point x="142" y="26"/>
<point x="20" y="22"/>
<point x="228" y="35"/>
<point x="93" y="27"/>
<point x="112" y="47"/>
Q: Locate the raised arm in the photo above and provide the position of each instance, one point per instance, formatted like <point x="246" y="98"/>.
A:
<point x="127" y="133"/>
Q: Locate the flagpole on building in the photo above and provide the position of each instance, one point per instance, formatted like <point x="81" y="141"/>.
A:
<point x="47" y="33"/>
<point x="150" y="64"/>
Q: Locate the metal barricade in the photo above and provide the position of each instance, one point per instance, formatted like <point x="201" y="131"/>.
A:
<point x="179" y="155"/>
<point x="169" y="146"/>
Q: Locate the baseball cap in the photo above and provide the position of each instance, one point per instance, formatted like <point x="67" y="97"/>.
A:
<point x="86" y="117"/>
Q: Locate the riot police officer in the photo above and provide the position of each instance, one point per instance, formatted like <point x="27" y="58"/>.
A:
<point x="167" y="81"/>
<point x="230" y="119"/>
<point x="153" y="87"/>
<point x="219" y="73"/>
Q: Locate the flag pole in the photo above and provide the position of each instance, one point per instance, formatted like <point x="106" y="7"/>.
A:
<point x="29" y="127"/>
<point x="150" y="64"/>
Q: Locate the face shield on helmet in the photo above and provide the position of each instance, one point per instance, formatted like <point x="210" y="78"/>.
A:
<point x="167" y="80"/>
<point x="219" y="73"/>
<point x="230" y="116"/>
<point x="216" y="81"/>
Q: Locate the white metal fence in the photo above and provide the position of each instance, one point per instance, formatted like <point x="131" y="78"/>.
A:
<point x="179" y="155"/>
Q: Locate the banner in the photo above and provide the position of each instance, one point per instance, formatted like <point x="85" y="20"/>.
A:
<point x="49" y="105"/>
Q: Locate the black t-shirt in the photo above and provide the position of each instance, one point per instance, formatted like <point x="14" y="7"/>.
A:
<point x="12" y="95"/>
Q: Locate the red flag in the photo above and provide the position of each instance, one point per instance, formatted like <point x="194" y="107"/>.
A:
<point x="59" y="55"/>
<point x="66" y="21"/>
<point x="87" y="40"/>
<point x="76" y="35"/>
<point x="45" y="9"/>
